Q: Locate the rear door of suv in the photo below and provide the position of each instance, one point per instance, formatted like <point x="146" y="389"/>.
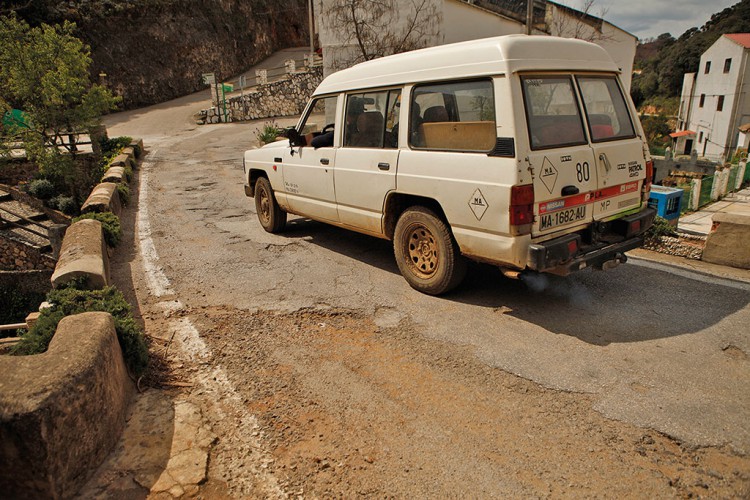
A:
<point x="561" y="159"/>
<point x="618" y="151"/>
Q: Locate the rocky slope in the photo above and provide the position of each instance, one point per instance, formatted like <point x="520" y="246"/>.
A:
<point x="155" y="50"/>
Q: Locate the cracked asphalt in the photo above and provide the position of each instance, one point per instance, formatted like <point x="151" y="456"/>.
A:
<point x="317" y="371"/>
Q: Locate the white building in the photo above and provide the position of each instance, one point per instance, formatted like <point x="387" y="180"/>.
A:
<point x="462" y="20"/>
<point x="714" y="102"/>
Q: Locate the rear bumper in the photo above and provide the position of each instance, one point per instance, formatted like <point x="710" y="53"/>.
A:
<point x="565" y="255"/>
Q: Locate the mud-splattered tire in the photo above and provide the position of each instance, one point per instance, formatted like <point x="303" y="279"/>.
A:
<point x="426" y="253"/>
<point x="270" y="214"/>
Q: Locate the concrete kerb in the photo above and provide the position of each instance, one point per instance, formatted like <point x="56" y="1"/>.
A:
<point x="727" y="242"/>
<point x="61" y="412"/>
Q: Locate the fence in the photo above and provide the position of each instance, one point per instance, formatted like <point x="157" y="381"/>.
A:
<point x="701" y="192"/>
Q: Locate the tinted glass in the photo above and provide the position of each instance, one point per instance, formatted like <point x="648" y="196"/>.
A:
<point x="552" y="112"/>
<point x="606" y="110"/>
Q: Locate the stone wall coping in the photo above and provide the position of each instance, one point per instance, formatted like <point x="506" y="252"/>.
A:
<point x="62" y="411"/>
<point x="83" y="254"/>
<point x="103" y="198"/>
<point x="114" y="174"/>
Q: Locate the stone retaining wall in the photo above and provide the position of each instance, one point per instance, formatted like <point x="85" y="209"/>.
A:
<point x="18" y="256"/>
<point x="62" y="411"/>
<point x="280" y="98"/>
<point x="36" y="281"/>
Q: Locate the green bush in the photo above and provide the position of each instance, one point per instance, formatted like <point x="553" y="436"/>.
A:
<point x="268" y="133"/>
<point x="661" y="228"/>
<point x="112" y="147"/>
<point x="70" y="300"/>
<point x="42" y="189"/>
<point x="124" y="192"/>
<point x="128" y="173"/>
<point x="110" y="226"/>
<point x="65" y="204"/>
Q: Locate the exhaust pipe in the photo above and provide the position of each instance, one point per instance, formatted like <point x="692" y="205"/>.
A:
<point x="513" y="274"/>
<point x="620" y="258"/>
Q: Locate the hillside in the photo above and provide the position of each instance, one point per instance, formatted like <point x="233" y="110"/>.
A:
<point x="155" y="50"/>
<point x="665" y="60"/>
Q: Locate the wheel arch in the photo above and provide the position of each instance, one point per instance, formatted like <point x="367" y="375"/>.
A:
<point x="397" y="203"/>
<point x="252" y="177"/>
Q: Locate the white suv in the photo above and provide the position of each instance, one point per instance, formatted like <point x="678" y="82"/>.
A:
<point x="520" y="151"/>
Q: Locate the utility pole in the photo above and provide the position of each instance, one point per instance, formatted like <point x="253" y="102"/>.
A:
<point x="312" y="27"/>
<point x="529" y="15"/>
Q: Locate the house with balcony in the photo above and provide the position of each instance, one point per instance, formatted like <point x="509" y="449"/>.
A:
<point x="714" y="103"/>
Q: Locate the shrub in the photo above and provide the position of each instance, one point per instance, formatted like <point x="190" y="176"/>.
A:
<point x="124" y="192"/>
<point x="71" y="300"/>
<point x="128" y="173"/>
<point x="65" y="204"/>
<point x="42" y="189"/>
<point x="110" y="226"/>
<point x="661" y="228"/>
<point x="112" y="147"/>
<point x="268" y="133"/>
<point x="16" y="305"/>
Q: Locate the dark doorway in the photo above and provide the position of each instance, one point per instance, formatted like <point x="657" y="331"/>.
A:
<point x="688" y="146"/>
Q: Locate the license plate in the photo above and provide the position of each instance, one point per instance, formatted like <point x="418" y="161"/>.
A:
<point x="547" y="221"/>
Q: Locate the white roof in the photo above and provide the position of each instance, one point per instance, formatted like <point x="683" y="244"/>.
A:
<point x="483" y="57"/>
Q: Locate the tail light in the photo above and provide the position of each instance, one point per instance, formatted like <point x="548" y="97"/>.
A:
<point x="522" y="208"/>
<point x="649" y="176"/>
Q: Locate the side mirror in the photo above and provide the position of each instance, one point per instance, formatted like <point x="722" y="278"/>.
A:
<point x="294" y="138"/>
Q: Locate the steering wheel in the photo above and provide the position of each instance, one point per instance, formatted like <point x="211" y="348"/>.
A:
<point x="327" y="127"/>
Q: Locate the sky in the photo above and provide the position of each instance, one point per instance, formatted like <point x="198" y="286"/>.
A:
<point x="651" y="18"/>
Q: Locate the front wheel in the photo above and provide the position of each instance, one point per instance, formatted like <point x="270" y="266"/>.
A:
<point x="426" y="253"/>
<point x="270" y="214"/>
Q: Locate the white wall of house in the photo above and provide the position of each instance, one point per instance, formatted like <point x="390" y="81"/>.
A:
<point x="716" y="128"/>
<point x="686" y="101"/>
<point x="462" y="22"/>
<point x="457" y="21"/>
<point x="618" y="43"/>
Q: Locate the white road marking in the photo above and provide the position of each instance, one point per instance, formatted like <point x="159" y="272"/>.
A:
<point x="213" y="378"/>
<point x="158" y="283"/>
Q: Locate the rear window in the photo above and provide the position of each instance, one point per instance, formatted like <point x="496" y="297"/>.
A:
<point x="606" y="111"/>
<point x="552" y="112"/>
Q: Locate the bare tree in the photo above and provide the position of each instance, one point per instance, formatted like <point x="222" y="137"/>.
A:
<point x="577" y="23"/>
<point x="377" y="28"/>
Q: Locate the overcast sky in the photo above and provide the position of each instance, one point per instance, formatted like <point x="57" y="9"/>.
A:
<point x="651" y="18"/>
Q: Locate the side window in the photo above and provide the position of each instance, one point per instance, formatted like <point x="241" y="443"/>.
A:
<point x="606" y="110"/>
<point x="552" y="112"/>
<point x="456" y="116"/>
<point x="322" y="113"/>
<point x="372" y="119"/>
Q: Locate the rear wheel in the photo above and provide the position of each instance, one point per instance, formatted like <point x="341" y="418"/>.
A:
<point x="270" y="214"/>
<point x="426" y="253"/>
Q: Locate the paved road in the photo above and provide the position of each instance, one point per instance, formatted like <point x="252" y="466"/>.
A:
<point x="650" y="344"/>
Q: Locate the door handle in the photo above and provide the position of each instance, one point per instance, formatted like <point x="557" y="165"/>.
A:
<point x="384" y="166"/>
<point x="569" y="190"/>
<point x="603" y="158"/>
<point x="325" y="161"/>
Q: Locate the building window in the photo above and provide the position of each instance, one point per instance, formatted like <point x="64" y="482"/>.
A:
<point x="708" y="67"/>
<point x="720" y="103"/>
<point x="727" y="65"/>
<point x="703" y="99"/>
<point x="700" y="137"/>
